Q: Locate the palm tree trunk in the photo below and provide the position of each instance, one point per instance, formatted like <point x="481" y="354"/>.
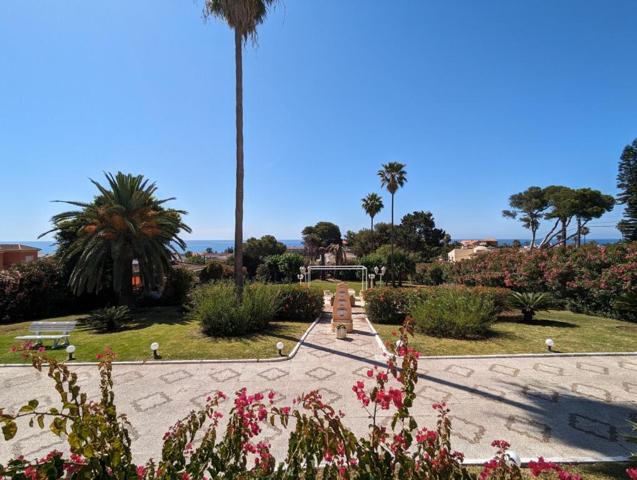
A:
<point x="238" y="212"/>
<point x="372" y="230"/>
<point x="391" y="258"/>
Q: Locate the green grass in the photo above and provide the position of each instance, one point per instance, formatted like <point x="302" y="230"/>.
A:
<point x="590" y="471"/>
<point x="572" y="332"/>
<point x="179" y="339"/>
<point x="331" y="286"/>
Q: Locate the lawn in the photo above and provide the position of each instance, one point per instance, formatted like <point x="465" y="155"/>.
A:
<point x="325" y="285"/>
<point x="179" y="339"/>
<point x="590" y="471"/>
<point x="572" y="332"/>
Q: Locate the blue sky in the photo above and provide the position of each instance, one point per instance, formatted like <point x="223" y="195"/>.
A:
<point x="479" y="99"/>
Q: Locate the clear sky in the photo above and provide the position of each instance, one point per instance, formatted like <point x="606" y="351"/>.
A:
<point x="479" y="99"/>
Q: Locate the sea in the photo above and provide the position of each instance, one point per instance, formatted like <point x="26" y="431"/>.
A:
<point x="48" y="247"/>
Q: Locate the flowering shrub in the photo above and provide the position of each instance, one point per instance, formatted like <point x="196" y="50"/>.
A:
<point x="198" y="447"/>
<point x="586" y="279"/>
<point x="393" y="305"/>
<point x="299" y="303"/>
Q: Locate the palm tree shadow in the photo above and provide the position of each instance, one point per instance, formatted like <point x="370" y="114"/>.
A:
<point x="142" y="318"/>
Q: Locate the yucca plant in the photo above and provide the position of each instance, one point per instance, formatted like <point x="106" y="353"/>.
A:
<point x="530" y="302"/>
<point x="110" y="319"/>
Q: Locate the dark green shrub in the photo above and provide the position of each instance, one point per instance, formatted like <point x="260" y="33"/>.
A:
<point x="179" y="285"/>
<point x="216" y="308"/>
<point x="455" y="313"/>
<point x="280" y="268"/>
<point x="431" y="273"/>
<point x="393" y="305"/>
<point x="212" y="272"/>
<point x="39" y="289"/>
<point x="299" y="303"/>
<point x="110" y="319"/>
<point x="389" y="305"/>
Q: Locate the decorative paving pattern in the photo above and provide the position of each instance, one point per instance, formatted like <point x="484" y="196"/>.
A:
<point x="529" y="428"/>
<point x="593" y="427"/>
<point x="224" y="375"/>
<point x="176" y="376"/>
<point x="467" y="430"/>
<point x="151" y="401"/>
<point x="525" y="400"/>
<point x="504" y="370"/>
<point x="320" y="373"/>
<point x="460" y="371"/>
<point x="591" y="367"/>
<point x="550" y="369"/>
<point x="273" y="374"/>
<point x="591" y="392"/>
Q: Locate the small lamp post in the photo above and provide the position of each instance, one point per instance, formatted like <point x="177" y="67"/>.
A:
<point x="155" y="349"/>
<point x="549" y="344"/>
<point x="371" y="279"/>
<point x="70" y="350"/>
<point x="514" y="458"/>
<point x="300" y="276"/>
<point x="380" y="272"/>
<point x="279" y="347"/>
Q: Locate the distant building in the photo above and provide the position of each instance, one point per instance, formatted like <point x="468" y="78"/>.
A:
<point x="471" y="248"/>
<point x="13" y="253"/>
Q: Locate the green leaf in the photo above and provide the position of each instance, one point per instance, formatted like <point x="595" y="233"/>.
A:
<point x="9" y="430"/>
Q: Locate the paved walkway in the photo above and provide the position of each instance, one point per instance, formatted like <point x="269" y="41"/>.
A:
<point x="569" y="407"/>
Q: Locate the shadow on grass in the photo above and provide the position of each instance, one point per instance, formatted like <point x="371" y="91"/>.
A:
<point x="142" y="318"/>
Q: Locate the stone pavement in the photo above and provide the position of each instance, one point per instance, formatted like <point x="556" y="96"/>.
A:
<point x="574" y="408"/>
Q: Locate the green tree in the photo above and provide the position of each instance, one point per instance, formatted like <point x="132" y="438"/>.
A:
<point x="256" y="249"/>
<point x="372" y="204"/>
<point x="627" y="184"/>
<point x="402" y="263"/>
<point x="589" y="204"/>
<point x="392" y="177"/>
<point x="528" y="206"/>
<point x="318" y="238"/>
<point x="417" y="233"/>
<point x="125" y="222"/>
<point x="242" y="16"/>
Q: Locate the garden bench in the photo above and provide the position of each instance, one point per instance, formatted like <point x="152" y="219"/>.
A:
<point x="47" y="331"/>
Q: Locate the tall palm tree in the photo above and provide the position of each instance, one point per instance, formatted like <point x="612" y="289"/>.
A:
<point x="242" y="16"/>
<point x="125" y="222"/>
<point x="372" y="204"/>
<point x="392" y="177"/>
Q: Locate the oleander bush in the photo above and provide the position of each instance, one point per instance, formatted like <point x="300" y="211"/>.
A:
<point x="178" y="286"/>
<point x="320" y="444"/>
<point x="299" y="303"/>
<point x="216" y="308"/>
<point x="215" y="271"/>
<point x="392" y="305"/>
<point x="454" y="313"/>
<point x="588" y="279"/>
<point x="39" y="289"/>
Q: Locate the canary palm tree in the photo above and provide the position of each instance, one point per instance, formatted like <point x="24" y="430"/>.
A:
<point x="125" y="222"/>
<point x="372" y="204"/>
<point x="242" y="16"/>
<point x="392" y="177"/>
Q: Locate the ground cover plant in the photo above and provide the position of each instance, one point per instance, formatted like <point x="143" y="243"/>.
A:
<point x="204" y="444"/>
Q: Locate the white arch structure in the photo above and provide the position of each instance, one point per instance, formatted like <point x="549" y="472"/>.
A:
<point x="323" y="268"/>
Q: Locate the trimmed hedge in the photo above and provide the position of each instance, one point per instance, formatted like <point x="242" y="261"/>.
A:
<point x="392" y="305"/>
<point x="299" y="303"/>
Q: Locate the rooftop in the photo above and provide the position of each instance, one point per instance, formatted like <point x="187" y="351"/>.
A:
<point x="12" y="247"/>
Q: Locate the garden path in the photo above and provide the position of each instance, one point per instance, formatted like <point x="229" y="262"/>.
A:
<point x="574" y="408"/>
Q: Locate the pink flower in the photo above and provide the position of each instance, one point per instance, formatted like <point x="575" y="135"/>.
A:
<point x="632" y="473"/>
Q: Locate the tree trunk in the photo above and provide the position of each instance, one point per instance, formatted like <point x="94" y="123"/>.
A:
<point x="563" y="233"/>
<point x="578" y="237"/>
<point x="391" y="259"/>
<point x="372" y="217"/>
<point x="533" y="233"/>
<point x="238" y="212"/>
<point x="125" y="296"/>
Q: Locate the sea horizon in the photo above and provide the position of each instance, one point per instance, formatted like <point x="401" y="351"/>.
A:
<point x="48" y="247"/>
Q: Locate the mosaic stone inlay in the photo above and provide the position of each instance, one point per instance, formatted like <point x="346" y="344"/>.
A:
<point x="591" y="391"/>
<point x="273" y="374"/>
<point x="529" y="428"/>
<point x="151" y="401"/>
<point x="540" y="391"/>
<point x="434" y="394"/>
<point x="176" y="376"/>
<point x="504" y="370"/>
<point x="551" y="369"/>
<point x="593" y="427"/>
<point x="320" y="373"/>
<point x="591" y="367"/>
<point x="467" y="430"/>
<point x="224" y="375"/>
<point x="460" y="371"/>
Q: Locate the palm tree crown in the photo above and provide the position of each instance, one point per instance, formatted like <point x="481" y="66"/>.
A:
<point x="372" y="204"/>
<point x="392" y="176"/>
<point x="124" y="222"/>
<point x="243" y="16"/>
